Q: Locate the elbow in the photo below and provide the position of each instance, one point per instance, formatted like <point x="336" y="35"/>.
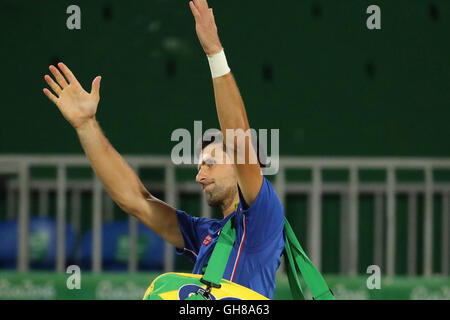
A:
<point x="127" y="208"/>
<point x="134" y="205"/>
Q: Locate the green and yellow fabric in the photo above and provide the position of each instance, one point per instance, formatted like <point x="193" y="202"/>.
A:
<point x="211" y="286"/>
<point x="186" y="286"/>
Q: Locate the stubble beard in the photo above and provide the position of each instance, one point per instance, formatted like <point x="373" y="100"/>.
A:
<point x="218" y="195"/>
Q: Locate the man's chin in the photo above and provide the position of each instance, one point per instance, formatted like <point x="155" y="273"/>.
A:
<point x="211" y="201"/>
<point x="213" y="204"/>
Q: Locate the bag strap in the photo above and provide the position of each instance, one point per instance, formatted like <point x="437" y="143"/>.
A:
<point x="219" y="257"/>
<point x="298" y="261"/>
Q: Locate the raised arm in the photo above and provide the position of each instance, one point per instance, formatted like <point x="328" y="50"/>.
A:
<point x="229" y="103"/>
<point x="79" y="108"/>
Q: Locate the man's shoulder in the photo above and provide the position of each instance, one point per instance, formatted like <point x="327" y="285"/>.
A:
<point x="267" y="199"/>
<point x="183" y="216"/>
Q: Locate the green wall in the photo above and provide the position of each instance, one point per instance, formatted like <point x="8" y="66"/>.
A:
<point x="337" y="88"/>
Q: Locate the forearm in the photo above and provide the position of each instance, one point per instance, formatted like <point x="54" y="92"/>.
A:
<point x="233" y="120"/>
<point x="118" y="178"/>
<point x="79" y="108"/>
<point x="232" y="116"/>
<point x="230" y="106"/>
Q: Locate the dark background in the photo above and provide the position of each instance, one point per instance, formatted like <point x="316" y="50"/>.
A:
<point x="310" y="68"/>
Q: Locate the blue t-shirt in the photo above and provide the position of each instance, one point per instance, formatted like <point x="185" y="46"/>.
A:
<point x="256" y="254"/>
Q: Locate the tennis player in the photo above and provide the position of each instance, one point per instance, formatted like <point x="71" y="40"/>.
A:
<point x="238" y="188"/>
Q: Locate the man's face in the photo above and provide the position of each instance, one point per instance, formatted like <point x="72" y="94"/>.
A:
<point x="216" y="175"/>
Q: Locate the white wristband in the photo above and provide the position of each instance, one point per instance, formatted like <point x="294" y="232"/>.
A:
<point x="218" y="65"/>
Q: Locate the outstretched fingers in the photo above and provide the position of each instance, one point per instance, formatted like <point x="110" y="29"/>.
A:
<point x="51" y="96"/>
<point x="201" y="4"/>
<point x="53" y="85"/>
<point x="95" y="90"/>
<point x="58" y="76"/>
<point x="212" y="15"/>
<point x="67" y="73"/>
<point x="194" y="9"/>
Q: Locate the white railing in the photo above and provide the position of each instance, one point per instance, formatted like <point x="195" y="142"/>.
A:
<point x="19" y="187"/>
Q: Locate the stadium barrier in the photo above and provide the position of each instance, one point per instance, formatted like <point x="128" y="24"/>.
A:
<point x="18" y="192"/>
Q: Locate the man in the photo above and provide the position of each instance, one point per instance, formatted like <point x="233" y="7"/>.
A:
<point x="237" y="187"/>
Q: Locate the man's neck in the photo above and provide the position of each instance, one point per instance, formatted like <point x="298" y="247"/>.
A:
<point x="230" y="206"/>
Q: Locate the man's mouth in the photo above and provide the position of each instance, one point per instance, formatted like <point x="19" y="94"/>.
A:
<point x="205" y="186"/>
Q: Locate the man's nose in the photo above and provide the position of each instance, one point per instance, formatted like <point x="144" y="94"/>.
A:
<point x="201" y="176"/>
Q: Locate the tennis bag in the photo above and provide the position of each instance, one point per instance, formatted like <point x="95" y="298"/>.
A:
<point x="211" y="286"/>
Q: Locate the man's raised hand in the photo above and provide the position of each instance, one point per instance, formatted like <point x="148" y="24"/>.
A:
<point x="205" y="26"/>
<point x="76" y="105"/>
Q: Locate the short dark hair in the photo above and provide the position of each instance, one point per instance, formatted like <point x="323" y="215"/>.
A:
<point x="216" y="136"/>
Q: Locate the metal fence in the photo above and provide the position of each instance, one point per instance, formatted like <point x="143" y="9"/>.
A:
<point x="20" y="185"/>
